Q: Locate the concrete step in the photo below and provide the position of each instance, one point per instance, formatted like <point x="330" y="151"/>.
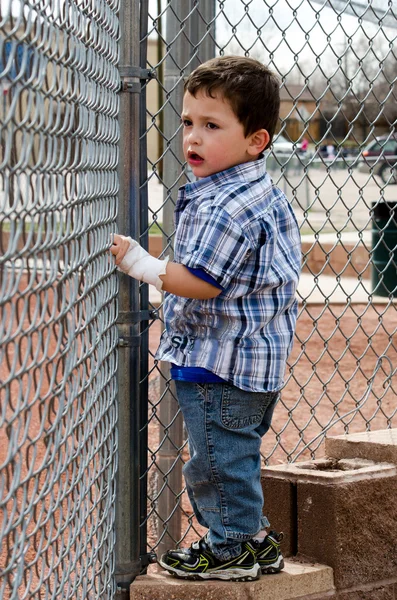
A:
<point x="379" y="446"/>
<point x="298" y="580"/>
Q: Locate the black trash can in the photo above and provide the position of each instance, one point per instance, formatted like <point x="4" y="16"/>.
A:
<point x="384" y="248"/>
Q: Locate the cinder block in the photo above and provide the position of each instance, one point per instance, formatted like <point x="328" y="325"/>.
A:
<point x="298" y="581"/>
<point x="379" y="446"/>
<point x="375" y="593"/>
<point x="349" y="521"/>
<point x="280" y="508"/>
<point x="346" y="515"/>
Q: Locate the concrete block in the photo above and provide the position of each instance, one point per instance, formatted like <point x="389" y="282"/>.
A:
<point x="297" y="580"/>
<point x="379" y="446"/>
<point x="330" y="470"/>
<point x="348" y="520"/>
<point x="279" y="485"/>
<point x="280" y="508"/>
<point x="375" y="593"/>
<point x="346" y="515"/>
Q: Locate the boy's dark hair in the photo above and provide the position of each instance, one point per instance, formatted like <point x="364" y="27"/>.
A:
<point x="252" y="90"/>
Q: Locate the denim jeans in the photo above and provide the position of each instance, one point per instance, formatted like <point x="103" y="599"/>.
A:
<point x="223" y="476"/>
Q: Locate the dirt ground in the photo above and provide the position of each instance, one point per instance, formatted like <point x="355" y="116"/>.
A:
<point x="334" y="376"/>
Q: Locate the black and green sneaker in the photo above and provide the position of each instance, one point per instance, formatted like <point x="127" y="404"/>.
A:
<point x="198" y="562"/>
<point x="268" y="553"/>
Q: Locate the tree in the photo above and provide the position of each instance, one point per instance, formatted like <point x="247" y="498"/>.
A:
<point x="355" y="82"/>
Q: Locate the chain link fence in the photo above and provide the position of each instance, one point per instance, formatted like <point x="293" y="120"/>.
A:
<point x="59" y="133"/>
<point x="335" y="158"/>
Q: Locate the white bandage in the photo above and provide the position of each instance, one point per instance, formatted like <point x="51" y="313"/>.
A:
<point x="139" y="264"/>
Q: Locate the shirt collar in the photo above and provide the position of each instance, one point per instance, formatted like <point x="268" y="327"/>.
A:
<point x="249" y="171"/>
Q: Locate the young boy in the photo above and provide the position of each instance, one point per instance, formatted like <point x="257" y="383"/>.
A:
<point x="230" y="312"/>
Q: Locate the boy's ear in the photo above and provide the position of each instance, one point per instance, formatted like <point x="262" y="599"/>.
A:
<point x="258" y="142"/>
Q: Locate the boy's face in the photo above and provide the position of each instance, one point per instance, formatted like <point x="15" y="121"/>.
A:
<point x="213" y="137"/>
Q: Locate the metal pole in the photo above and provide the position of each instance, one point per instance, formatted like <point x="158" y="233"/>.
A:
<point x="127" y="499"/>
<point x="160" y="76"/>
<point x="186" y="53"/>
<point x="170" y="469"/>
<point x="202" y="31"/>
<point x="145" y="557"/>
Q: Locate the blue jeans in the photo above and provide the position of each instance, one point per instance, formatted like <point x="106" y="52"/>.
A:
<point x="223" y="476"/>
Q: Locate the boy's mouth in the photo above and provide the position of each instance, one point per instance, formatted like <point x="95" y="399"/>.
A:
<point x="194" y="159"/>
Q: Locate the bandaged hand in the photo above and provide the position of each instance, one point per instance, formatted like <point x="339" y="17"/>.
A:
<point x="133" y="260"/>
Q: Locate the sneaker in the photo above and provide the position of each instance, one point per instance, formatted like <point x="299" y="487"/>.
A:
<point x="198" y="562"/>
<point x="268" y="553"/>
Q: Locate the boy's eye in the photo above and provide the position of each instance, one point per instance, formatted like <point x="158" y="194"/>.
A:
<point x="186" y="122"/>
<point x="212" y="126"/>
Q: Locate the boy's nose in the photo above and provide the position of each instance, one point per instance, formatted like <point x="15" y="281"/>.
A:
<point x="194" y="137"/>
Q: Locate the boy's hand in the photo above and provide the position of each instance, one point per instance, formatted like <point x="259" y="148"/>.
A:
<point x="120" y="247"/>
<point x="133" y="260"/>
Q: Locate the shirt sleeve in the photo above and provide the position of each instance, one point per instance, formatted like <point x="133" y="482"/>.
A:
<point x="201" y="274"/>
<point x="217" y="244"/>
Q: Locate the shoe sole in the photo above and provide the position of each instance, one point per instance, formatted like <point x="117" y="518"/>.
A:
<point x="275" y="567"/>
<point x="231" y="575"/>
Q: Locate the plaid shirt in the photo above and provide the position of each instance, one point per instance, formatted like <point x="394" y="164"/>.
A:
<point x="242" y="231"/>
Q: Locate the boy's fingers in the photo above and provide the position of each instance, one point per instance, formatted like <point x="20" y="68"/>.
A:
<point x="120" y="246"/>
<point x="115" y="239"/>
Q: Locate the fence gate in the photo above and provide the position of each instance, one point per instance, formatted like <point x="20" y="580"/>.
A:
<point x="336" y="63"/>
<point x="58" y="201"/>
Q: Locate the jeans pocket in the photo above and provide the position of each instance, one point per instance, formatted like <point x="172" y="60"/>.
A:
<point x="241" y="409"/>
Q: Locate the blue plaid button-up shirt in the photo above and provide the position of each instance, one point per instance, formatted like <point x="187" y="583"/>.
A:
<point x="242" y="231"/>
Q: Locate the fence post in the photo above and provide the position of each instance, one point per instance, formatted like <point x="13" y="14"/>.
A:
<point x="187" y="53"/>
<point x="128" y="563"/>
<point x="168" y="465"/>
